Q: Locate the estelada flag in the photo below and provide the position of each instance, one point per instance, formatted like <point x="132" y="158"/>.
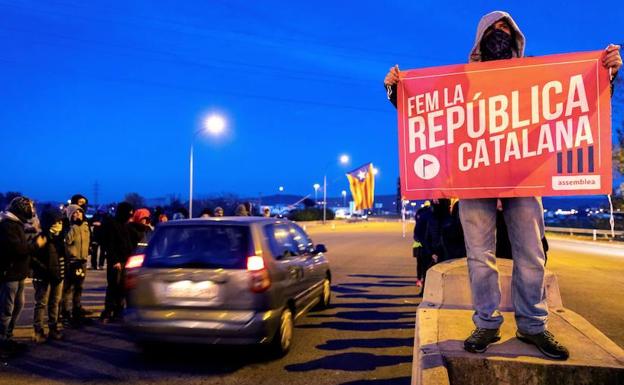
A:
<point x="507" y="128"/>
<point x="362" y="184"/>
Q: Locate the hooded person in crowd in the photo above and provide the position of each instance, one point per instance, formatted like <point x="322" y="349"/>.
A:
<point x="241" y="211"/>
<point x="77" y="246"/>
<point x="15" y="251"/>
<point x="48" y="266"/>
<point x="117" y="243"/>
<point x="499" y="38"/>
<point x="218" y="211"/>
<point x="80" y="200"/>
<point x="140" y="228"/>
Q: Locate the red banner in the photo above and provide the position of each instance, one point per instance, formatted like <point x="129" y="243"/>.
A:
<point x="521" y="127"/>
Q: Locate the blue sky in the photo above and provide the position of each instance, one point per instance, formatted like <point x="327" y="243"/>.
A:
<point x="112" y="91"/>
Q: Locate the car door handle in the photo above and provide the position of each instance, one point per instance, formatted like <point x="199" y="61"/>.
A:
<point x="296" y="272"/>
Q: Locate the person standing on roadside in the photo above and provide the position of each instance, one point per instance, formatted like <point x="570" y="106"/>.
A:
<point x="422" y="255"/>
<point x="48" y="265"/>
<point x="499" y="38"/>
<point x="117" y="243"/>
<point x="15" y="254"/>
<point x="77" y="244"/>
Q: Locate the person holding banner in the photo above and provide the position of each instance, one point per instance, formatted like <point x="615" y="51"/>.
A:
<point x="499" y="38"/>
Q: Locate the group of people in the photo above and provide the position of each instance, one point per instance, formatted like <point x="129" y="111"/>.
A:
<point x="54" y="248"/>
<point x="498" y="37"/>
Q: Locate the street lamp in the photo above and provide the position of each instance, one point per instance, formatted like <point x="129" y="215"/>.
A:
<point x="344" y="160"/>
<point x="344" y="198"/>
<point x="316" y="187"/>
<point x="213" y="125"/>
<point x="281" y="188"/>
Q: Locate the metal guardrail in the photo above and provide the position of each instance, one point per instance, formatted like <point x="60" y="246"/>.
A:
<point x="593" y="232"/>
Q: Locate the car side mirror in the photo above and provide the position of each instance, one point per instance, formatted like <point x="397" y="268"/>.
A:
<point x="320" y="248"/>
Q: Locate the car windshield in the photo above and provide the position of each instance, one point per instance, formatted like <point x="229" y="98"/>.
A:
<point x="205" y="246"/>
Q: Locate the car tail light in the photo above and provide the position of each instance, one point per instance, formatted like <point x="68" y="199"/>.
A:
<point x="135" y="261"/>
<point x="260" y="280"/>
<point x="255" y="263"/>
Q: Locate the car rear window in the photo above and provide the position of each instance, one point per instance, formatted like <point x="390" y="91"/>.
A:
<point x="206" y="246"/>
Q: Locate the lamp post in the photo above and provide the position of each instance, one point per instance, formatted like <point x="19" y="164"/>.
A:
<point x="214" y="125"/>
<point x="344" y="160"/>
<point x="344" y="198"/>
<point x="316" y="187"/>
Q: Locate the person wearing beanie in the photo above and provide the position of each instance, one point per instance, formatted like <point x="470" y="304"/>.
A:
<point x="140" y="228"/>
<point x="80" y="200"/>
<point x="16" y="251"/>
<point x="117" y="244"/>
<point x="48" y="266"/>
<point x="77" y="242"/>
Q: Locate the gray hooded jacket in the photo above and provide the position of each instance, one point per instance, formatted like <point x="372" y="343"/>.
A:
<point x="486" y="22"/>
<point x="78" y="237"/>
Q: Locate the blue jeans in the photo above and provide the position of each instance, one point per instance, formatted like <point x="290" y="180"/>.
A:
<point x="524" y="218"/>
<point x="11" y="304"/>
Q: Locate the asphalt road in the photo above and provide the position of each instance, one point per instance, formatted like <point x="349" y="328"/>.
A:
<point x="366" y="337"/>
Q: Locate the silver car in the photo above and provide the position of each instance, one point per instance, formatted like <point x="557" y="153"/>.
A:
<point x="229" y="280"/>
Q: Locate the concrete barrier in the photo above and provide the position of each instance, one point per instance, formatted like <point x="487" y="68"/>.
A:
<point x="444" y="320"/>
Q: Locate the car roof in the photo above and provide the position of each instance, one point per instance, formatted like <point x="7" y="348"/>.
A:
<point x="225" y="221"/>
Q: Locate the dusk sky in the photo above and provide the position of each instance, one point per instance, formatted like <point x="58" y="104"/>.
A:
<point x="112" y="91"/>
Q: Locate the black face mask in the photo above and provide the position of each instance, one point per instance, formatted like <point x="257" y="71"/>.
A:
<point x="497" y="45"/>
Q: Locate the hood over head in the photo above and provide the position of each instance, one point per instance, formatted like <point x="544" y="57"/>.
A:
<point x="123" y="212"/>
<point x="486" y="22"/>
<point x="140" y="214"/>
<point x="241" y="211"/>
<point x="76" y="197"/>
<point x="71" y="209"/>
<point x="49" y="217"/>
<point x="22" y="208"/>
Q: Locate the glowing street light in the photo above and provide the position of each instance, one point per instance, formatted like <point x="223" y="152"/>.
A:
<point x="281" y="188"/>
<point x="344" y="198"/>
<point x="344" y="159"/>
<point x="213" y="125"/>
<point x="316" y="187"/>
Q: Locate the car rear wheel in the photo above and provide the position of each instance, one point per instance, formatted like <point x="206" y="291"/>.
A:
<point x="283" y="336"/>
<point x="325" y="299"/>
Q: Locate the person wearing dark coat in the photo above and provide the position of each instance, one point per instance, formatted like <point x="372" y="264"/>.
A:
<point x="139" y="228"/>
<point x="15" y="253"/>
<point x="422" y="255"/>
<point x="444" y="236"/>
<point x="117" y="244"/>
<point x="48" y="268"/>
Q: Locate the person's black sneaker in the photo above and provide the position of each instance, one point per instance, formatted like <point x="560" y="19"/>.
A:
<point x="82" y="312"/>
<point x="39" y="337"/>
<point x="55" y="334"/>
<point x="480" y="339"/>
<point x="546" y="343"/>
